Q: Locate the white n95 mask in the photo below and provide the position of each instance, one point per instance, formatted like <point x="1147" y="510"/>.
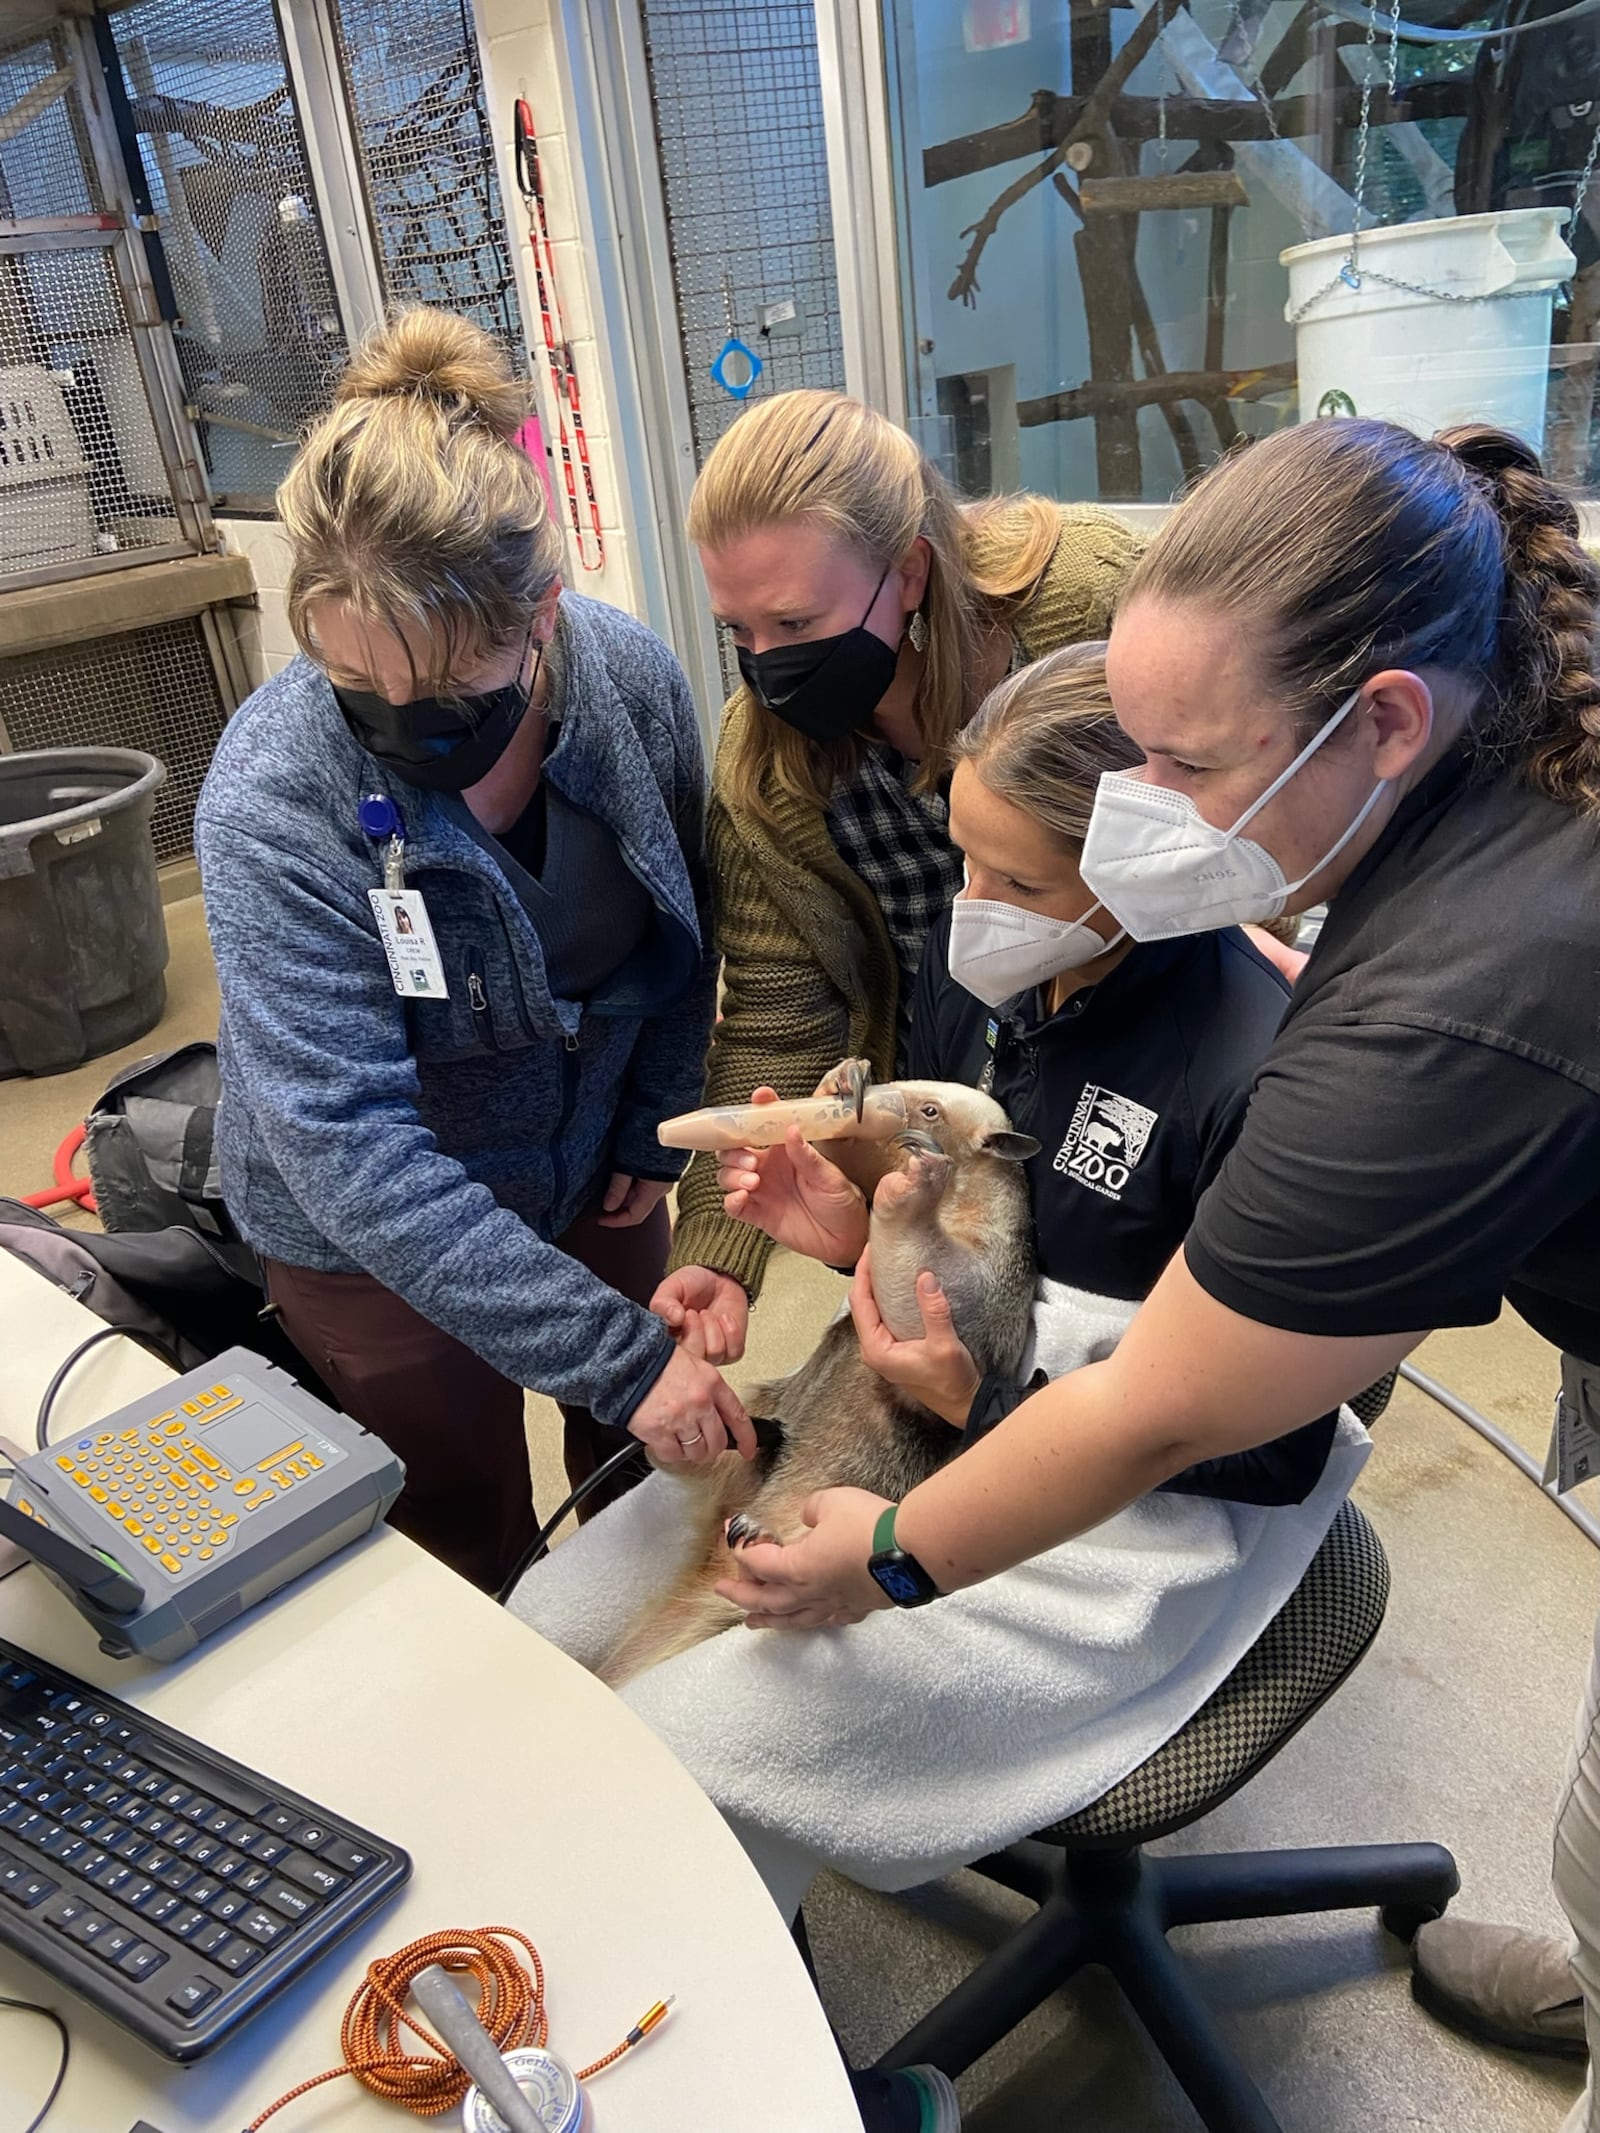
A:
<point x="997" y="950"/>
<point x="1162" y="870"/>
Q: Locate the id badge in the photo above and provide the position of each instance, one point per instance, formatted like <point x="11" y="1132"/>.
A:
<point x="407" y="936"/>
<point x="1574" y="1454"/>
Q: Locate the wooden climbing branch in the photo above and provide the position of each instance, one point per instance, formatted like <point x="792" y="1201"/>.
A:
<point x="1221" y="413"/>
<point x="1052" y="122"/>
<point x="1149" y="342"/>
<point x="1116" y="396"/>
<point x="1191" y="190"/>
<point x="1091" y="119"/>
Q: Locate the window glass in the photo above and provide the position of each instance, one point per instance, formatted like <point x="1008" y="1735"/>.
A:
<point x="258" y="333"/>
<point x="1096" y="201"/>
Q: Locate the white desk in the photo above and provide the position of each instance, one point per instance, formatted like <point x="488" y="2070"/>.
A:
<point x="527" y="1794"/>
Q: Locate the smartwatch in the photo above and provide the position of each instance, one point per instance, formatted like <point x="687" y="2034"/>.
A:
<point x="896" y="1573"/>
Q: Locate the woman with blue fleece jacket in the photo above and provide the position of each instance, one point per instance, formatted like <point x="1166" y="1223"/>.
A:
<point x="448" y="1163"/>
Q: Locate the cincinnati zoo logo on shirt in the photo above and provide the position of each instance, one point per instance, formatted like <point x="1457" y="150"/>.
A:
<point x="1107" y="1136"/>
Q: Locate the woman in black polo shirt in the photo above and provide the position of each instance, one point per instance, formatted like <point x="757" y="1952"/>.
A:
<point x="1360" y="667"/>
<point x="1130" y="1064"/>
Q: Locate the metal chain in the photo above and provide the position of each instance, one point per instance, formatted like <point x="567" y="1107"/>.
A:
<point x="1369" y="73"/>
<point x="1584" y="180"/>
<point x="1251" y="81"/>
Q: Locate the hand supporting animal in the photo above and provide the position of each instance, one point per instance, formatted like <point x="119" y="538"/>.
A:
<point x="949" y="1198"/>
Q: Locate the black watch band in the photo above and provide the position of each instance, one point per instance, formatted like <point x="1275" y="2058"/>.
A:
<point x="896" y="1573"/>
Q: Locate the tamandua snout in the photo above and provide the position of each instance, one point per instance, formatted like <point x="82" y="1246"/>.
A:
<point x="949" y="1198"/>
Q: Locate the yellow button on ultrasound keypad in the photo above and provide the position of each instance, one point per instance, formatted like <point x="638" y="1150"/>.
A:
<point x="99" y="1496"/>
<point x="170" y="1562"/>
<point x="206" y="1554"/>
<point x="152" y="1544"/>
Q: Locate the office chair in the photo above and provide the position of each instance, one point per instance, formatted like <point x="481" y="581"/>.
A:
<point x="1101" y="1900"/>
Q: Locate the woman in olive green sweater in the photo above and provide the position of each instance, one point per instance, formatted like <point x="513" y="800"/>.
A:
<point x="871" y="613"/>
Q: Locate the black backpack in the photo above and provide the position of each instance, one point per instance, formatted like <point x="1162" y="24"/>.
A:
<point x="191" y="1295"/>
<point x="151" y="1146"/>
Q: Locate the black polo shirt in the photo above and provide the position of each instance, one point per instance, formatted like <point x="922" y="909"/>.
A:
<point x="1425" y="1134"/>
<point x="1135" y="1090"/>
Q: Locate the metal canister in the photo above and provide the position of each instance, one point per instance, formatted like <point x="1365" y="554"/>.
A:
<point x="550" y="2086"/>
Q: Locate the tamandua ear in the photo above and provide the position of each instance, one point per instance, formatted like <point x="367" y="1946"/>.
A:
<point x="1010" y="1147"/>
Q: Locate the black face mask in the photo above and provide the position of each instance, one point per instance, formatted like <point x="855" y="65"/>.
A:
<point x="444" y="746"/>
<point x="828" y="687"/>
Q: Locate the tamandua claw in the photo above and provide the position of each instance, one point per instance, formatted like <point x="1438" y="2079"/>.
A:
<point x="858" y="1077"/>
<point x="852" y="1078"/>
<point x="741" y="1530"/>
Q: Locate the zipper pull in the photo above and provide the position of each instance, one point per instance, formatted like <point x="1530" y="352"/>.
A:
<point x="572" y="1040"/>
<point x="475" y="993"/>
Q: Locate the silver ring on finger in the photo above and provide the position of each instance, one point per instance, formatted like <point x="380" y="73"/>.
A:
<point x="697" y="1438"/>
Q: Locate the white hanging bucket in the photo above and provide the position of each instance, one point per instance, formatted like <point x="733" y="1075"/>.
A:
<point x="1425" y="355"/>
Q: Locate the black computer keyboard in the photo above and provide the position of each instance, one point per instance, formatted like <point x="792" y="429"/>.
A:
<point x="173" y="1887"/>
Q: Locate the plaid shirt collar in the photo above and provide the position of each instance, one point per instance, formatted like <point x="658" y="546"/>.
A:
<point x="898" y="841"/>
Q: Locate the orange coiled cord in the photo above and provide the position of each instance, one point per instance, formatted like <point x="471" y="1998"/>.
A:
<point x="510" y="2007"/>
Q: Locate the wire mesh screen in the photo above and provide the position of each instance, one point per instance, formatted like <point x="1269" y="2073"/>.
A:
<point x="81" y="473"/>
<point x="260" y="336"/>
<point x="153" y="689"/>
<point x="45" y="165"/>
<point x="415" y="91"/>
<point x="738" y="112"/>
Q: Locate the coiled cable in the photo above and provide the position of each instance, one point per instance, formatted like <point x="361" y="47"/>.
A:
<point x="510" y="2008"/>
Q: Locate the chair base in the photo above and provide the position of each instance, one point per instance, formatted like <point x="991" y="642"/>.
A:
<point x="1116" y="1908"/>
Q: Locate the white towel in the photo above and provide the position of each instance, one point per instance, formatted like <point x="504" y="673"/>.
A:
<point x="913" y="1742"/>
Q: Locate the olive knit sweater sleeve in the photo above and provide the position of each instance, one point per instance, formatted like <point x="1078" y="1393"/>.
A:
<point x="784" y="1021"/>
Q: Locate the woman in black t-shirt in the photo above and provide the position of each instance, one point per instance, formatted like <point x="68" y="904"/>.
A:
<point x="1359" y="665"/>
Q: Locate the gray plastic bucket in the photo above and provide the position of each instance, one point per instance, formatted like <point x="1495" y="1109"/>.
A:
<point x="83" y="943"/>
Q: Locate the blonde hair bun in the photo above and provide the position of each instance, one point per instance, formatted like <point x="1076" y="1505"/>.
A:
<point x="440" y="356"/>
<point x="412" y="502"/>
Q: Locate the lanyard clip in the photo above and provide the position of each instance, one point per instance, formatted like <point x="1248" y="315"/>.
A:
<point x="394" y="863"/>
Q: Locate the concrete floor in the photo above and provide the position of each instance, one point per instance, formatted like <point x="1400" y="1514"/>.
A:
<point x="1455" y="1728"/>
